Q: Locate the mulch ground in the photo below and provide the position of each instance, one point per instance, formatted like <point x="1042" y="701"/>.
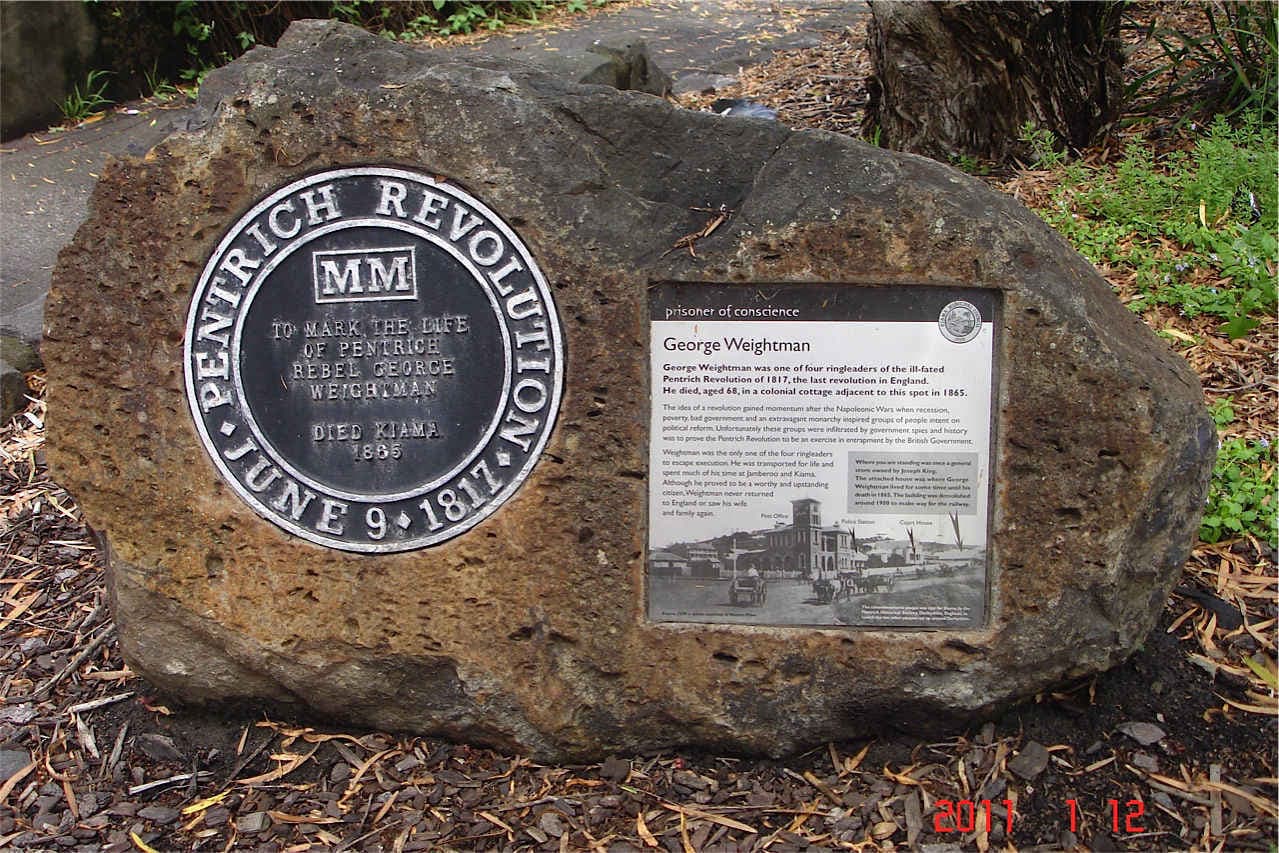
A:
<point x="1174" y="749"/>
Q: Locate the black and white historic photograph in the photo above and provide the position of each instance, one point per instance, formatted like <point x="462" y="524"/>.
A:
<point x="808" y="572"/>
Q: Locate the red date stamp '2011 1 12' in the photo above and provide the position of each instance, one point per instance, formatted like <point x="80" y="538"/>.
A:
<point x="968" y="815"/>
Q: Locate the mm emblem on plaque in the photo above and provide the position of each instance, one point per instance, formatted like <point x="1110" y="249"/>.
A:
<point x="373" y="359"/>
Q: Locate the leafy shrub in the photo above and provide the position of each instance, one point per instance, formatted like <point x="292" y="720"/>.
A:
<point x="1212" y="209"/>
<point x="1241" y="496"/>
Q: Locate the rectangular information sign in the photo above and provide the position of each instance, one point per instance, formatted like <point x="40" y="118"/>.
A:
<point x="820" y="454"/>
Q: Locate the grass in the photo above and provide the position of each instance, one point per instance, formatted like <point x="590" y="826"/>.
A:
<point x="79" y="105"/>
<point x="1225" y="65"/>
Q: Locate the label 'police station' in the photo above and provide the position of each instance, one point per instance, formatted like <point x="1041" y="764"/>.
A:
<point x="373" y="359"/>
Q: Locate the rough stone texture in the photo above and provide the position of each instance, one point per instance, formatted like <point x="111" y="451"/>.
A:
<point x="17" y="358"/>
<point x="623" y="65"/>
<point x="529" y="631"/>
<point x="45" y="49"/>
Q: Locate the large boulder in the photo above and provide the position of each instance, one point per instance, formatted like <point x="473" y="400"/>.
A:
<point x="530" y="630"/>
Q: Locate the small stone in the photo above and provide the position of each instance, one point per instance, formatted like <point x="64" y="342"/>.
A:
<point x="689" y="779"/>
<point x="551" y="824"/>
<point x="18" y="714"/>
<point x="1030" y="762"/>
<point x="13" y="391"/>
<point x="615" y="769"/>
<point x="159" y="747"/>
<point x="1102" y="843"/>
<point x="1238" y="804"/>
<point x="252" y="822"/>
<point x="162" y="815"/>
<point x="1144" y="733"/>
<point x="11" y="761"/>
<point x="408" y="762"/>
<point x="1145" y="761"/>
<point x="994" y="790"/>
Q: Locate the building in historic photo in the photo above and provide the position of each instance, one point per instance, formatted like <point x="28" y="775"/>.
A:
<point x="667" y="564"/>
<point x="803" y="548"/>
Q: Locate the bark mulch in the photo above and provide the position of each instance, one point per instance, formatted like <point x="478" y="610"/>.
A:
<point x="1173" y="749"/>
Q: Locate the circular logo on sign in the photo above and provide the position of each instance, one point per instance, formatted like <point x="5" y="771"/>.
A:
<point x="373" y="359"/>
<point x="960" y="322"/>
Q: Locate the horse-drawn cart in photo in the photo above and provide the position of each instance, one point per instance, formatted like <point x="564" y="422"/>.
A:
<point x="858" y="581"/>
<point x="748" y="589"/>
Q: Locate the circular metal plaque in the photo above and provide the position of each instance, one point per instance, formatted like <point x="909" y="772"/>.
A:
<point x="960" y="322"/>
<point x="373" y="359"/>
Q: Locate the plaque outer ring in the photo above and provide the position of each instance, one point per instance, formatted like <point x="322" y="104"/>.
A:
<point x="513" y="477"/>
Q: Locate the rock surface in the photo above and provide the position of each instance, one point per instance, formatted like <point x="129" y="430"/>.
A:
<point x="529" y="631"/>
<point x="624" y="65"/>
<point x="17" y="359"/>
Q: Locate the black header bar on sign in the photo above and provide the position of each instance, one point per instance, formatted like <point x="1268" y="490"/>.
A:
<point x="791" y="302"/>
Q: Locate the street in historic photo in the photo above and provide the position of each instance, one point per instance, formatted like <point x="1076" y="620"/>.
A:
<point x="804" y="573"/>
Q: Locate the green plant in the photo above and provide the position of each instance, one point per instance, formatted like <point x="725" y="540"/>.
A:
<point x="970" y="164"/>
<point x="188" y="23"/>
<point x="1228" y="71"/>
<point x="1042" y="145"/>
<point x="195" y="75"/>
<point x="158" y="87"/>
<point x="79" y="105"/>
<point x="1222" y="411"/>
<point x="1197" y="228"/>
<point x="1241" y="496"/>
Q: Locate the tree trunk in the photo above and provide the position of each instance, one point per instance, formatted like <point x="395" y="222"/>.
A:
<point x="960" y="79"/>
